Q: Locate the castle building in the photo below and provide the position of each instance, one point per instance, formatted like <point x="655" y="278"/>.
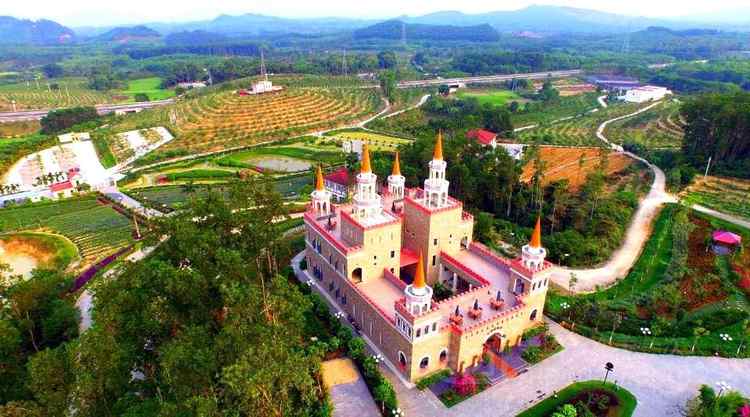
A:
<point x="381" y="256"/>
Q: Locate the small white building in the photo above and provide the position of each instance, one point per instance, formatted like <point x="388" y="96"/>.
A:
<point x="191" y="85"/>
<point x="644" y="94"/>
<point x="74" y="137"/>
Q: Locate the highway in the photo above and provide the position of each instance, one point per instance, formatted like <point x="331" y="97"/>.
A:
<point x="101" y="109"/>
<point x="490" y="78"/>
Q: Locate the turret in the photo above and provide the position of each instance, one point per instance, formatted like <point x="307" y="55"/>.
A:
<point x="366" y="199"/>
<point x="436" y="186"/>
<point x="418" y="293"/>
<point x="533" y="254"/>
<point x="321" y="198"/>
<point x="396" y="181"/>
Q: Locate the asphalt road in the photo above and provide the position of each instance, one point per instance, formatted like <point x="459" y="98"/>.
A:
<point x="101" y="109"/>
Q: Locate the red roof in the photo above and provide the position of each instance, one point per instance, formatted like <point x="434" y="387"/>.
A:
<point x="485" y="137"/>
<point x="408" y="257"/>
<point x="727" y="238"/>
<point x="61" y="186"/>
<point x="340" y="176"/>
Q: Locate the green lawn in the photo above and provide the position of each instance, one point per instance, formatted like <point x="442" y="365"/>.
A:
<point x="149" y="86"/>
<point x="493" y="97"/>
<point x="240" y="159"/>
<point x="627" y="402"/>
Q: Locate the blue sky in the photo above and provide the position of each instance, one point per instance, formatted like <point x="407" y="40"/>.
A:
<point x="107" y="12"/>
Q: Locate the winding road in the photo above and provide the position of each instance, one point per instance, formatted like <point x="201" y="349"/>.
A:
<point x="100" y="108"/>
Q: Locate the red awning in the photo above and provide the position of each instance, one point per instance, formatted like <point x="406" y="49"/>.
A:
<point x="727" y="238"/>
<point x="408" y="257"/>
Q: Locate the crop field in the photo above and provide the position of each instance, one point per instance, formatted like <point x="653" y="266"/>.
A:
<point x="148" y="86"/>
<point x="660" y="127"/>
<point x="540" y="113"/>
<point x="575" y="131"/>
<point x="376" y="141"/>
<point x="573" y="164"/>
<point x="728" y="195"/>
<point x="96" y="230"/>
<point x="70" y="92"/>
<point x="217" y="121"/>
<point x="494" y="97"/>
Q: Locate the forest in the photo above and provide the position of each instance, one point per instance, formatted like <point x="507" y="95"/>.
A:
<point x="718" y="127"/>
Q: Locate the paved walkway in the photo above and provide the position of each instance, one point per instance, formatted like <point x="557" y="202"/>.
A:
<point x="723" y="216"/>
<point x="349" y="392"/>
<point x="662" y="383"/>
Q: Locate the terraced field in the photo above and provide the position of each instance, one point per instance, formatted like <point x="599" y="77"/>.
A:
<point x="96" y="230"/>
<point x="224" y="120"/>
<point x="70" y="92"/>
<point x="728" y="195"/>
<point x="661" y="127"/>
<point x="574" y="164"/>
<point x="574" y="131"/>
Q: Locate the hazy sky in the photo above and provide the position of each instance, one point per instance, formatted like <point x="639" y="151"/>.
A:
<point x="106" y="12"/>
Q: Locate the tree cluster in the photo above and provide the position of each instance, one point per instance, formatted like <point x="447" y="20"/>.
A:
<point x="57" y="121"/>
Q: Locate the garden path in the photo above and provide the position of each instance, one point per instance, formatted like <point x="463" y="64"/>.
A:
<point x="723" y="216"/>
<point x="661" y="383"/>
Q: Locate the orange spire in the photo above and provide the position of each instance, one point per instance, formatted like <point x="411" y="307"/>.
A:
<point x="319" y="186"/>
<point x="438" y="154"/>
<point x="419" y="276"/>
<point x="536" y="236"/>
<point x="365" y="160"/>
<point x="396" y="166"/>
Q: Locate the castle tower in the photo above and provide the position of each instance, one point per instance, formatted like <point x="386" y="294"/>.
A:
<point x="366" y="199"/>
<point x="396" y="181"/>
<point x="418" y="293"/>
<point x="436" y="186"/>
<point x="321" y="198"/>
<point x="533" y="254"/>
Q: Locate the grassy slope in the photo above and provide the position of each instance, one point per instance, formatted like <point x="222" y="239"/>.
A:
<point x="545" y="408"/>
<point x="492" y="97"/>
<point x="63" y="249"/>
<point x="13" y="149"/>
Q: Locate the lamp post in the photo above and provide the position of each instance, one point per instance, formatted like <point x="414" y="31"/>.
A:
<point x="608" y="367"/>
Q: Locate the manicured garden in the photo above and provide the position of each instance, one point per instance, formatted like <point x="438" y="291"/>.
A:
<point x="376" y="141"/>
<point x="680" y="297"/>
<point x="588" y="398"/>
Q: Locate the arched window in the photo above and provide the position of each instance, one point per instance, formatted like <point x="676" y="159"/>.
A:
<point x="443" y="355"/>
<point x="402" y="359"/>
<point x="424" y="362"/>
<point x="533" y="315"/>
<point x="357" y="275"/>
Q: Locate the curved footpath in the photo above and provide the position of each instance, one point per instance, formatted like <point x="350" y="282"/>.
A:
<point x="661" y="383"/>
<point x="636" y="235"/>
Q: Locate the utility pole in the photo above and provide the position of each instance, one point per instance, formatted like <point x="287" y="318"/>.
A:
<point x="344" y="69"/>
<point x="263" y="72"/>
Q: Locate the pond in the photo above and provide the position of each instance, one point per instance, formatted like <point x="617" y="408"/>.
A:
<point x="20" y="260"/>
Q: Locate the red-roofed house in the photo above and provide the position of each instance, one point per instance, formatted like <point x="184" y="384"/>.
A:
<point x="485" y="137"/>
<point x="62" y="189"/>
<point x="338" y="184"/>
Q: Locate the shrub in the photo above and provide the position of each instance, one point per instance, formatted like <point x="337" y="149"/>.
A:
<point x="433" y="378"/>
<point x="532" y="354"/>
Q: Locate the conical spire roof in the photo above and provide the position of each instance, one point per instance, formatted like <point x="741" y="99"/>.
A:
<point x="536" y="236"/>
<point x="438" y="154"/>
<point x="319" y="184"/>
<point x="419" y="281"/>
<point x="396" y="166"/>
<point x="366" y="169"/>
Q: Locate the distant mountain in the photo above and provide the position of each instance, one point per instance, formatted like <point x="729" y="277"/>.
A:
<point x="40" y="32"/>
<point x="195" y="37"/>
<point x="128" y="34"/>
<point x="550" y="19"/>
<point x="255" y="24"/>
<point x="396" y="29"/>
